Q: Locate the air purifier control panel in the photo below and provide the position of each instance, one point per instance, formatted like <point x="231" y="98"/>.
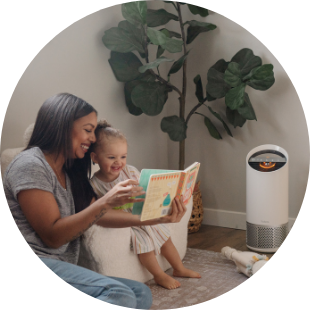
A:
<point x="267" y="160"/>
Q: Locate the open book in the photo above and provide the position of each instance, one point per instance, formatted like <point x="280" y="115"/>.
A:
<point x="161" y="187"/>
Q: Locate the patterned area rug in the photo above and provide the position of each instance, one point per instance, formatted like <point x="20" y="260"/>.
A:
<point x="218" y="276"/>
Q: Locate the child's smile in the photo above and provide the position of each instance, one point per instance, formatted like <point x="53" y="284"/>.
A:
<point x="116" y="169"/>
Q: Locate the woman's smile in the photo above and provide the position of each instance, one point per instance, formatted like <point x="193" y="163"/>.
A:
<point x="85" y="147"/>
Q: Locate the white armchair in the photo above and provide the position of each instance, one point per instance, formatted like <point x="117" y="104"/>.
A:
<point x="107" y="250"/>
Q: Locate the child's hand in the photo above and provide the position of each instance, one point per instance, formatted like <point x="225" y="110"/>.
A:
<point x="122" y="193"/>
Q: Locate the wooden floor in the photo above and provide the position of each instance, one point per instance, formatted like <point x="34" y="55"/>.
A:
<point x="214" y="238"/>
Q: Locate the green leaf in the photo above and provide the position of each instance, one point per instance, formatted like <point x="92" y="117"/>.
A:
<point x="235" y="118"/>
<point x="235" y="97"/>
<point x="129" y="86"/>
<point x="147" y="77"/>
<point x="246" y="60"/>
<point x="232" y="74"/>
<point x="261" y="78"/>
<point x="149" y="97"/>
<point x="160" y="17"/>
<point x="216" y="87"/>
<point x="170" y="34"/>
<point x="160" y="51"/>
<point x="138" y="33"/>
<point x="199" y="90"/>
<point x="262" y="84"/>
<point x="195" y="28"/>
<point x="154" y="64"/>
<point x="246" y="109"/>
<point x="158" y="38"/>
<point x="212" y="129"/>
<point x="216" y="83"/>
<point x="221" y="65"/>
<point x="209" y="97"/>
<point x="120" y="40"/>
<point x="135" y="12"/>
<point x="175" y="127"/>
<point x="218" y="116"/>
<point x="178" y="64"/>
<point x="169" y="89"/>
<point x="125" y="66"/>
<point x="198" y="10"/>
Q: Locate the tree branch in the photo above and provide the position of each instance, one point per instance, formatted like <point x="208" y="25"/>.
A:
<point x="182" y="102"/>
<point x="146" y="51"/>
<point x="183" y="95"/>
<point x="192" y="111"/>
<point x="200" y="114"/>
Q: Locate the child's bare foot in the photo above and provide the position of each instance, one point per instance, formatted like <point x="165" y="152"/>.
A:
<point x="166" y="281"/>
<point x="186" y="273"/>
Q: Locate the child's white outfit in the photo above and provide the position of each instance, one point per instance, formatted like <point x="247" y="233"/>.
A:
<point x="144" y="238"/>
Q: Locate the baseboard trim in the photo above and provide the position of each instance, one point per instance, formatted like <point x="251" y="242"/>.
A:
<point x="230" y="219"/>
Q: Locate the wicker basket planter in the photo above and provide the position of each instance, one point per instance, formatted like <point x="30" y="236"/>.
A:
<point x="197" y="212"/>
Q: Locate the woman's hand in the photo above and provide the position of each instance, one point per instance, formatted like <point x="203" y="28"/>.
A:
<point x="178" y="211"/>
<point x="116" y="219"/>
<point x="122" y="193"/>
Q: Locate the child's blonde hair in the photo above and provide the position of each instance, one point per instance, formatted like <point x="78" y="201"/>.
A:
<point x="105" y="130"/>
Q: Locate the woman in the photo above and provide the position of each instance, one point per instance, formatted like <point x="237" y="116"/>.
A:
<point x="49" y="194"/>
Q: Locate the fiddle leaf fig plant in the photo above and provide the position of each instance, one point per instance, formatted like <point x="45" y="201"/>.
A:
<point x="229" y="80"/>
<point x="147" y="90"/>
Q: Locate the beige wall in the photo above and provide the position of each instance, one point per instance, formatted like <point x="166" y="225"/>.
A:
<point x="76" y="61"/>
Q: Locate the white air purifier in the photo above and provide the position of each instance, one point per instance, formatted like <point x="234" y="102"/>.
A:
<point x="266" y="198"/>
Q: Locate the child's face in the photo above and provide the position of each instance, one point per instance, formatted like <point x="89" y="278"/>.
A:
<point x="111" y="157"/>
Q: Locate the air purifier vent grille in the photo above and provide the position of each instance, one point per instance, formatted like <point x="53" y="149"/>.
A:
<point x="265" y="237"/>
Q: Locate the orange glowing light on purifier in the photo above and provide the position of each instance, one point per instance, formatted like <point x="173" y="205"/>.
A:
<point x="267" y="165"/>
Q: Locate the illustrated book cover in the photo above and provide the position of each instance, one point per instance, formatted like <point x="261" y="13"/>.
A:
<point x="161" y="187"/>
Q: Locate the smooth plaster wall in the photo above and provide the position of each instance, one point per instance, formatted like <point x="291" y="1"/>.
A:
<point x="76" y="61"/>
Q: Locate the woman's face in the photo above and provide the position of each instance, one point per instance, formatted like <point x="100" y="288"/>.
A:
<point x="83" y="134"/>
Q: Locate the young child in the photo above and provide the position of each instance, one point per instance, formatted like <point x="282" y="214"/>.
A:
<point x="110" y="153"/>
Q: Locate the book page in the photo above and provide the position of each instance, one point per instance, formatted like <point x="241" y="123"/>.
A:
<point x="161" y="191"/>
<point x="189" y="184"/>
<point x="143" y="182"/>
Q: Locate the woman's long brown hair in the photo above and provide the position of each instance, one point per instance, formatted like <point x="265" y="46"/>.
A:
<point x="52" y="134"/>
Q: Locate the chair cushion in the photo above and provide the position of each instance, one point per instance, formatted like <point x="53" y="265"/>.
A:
<point x="107" y="250"/>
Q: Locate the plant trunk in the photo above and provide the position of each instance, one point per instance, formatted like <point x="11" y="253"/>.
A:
<point x="181" y="154"/>
<point x="182" y="98"/>
<point x="182" y="143"/>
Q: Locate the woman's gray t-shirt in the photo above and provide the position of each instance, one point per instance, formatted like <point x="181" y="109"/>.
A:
<point x="30" y="170"/>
